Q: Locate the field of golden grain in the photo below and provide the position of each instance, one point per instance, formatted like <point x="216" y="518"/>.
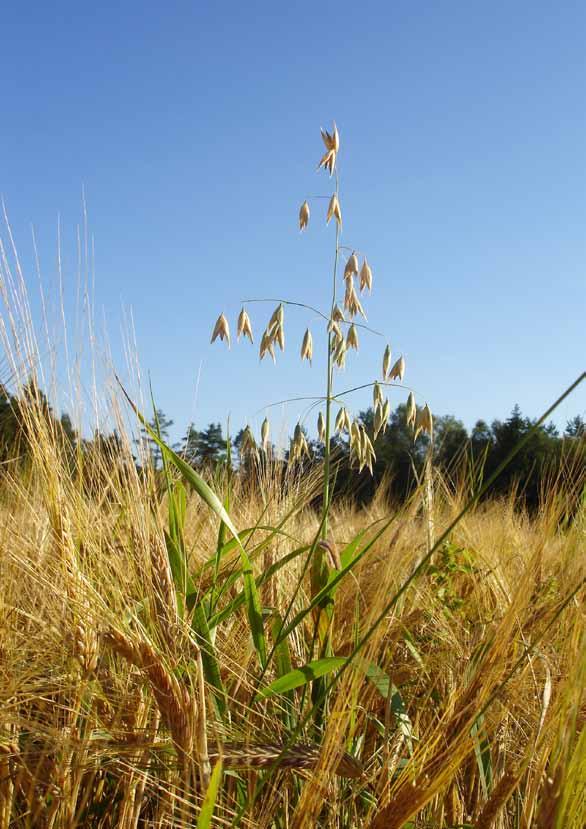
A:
<point x="231" y="645"/>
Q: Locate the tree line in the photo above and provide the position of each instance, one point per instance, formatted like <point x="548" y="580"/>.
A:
<point x="546" y="454"/>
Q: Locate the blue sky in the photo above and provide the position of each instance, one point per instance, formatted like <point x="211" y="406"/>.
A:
<point x="194" y="130"/>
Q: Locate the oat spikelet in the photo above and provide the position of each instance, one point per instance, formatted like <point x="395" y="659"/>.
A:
<point x="307" y="346"/>
<point x="377" y="396"/>
<point x="398" y="370"/>
<point x="264" y="434"/>
<point x="299" y="445"/>
<point x="352" y="338"/>
<point x="328" y="161"/>
<point x="332" y="145"/>
<point x="221" y="330"/>
<point x="275" y="328"/>
<point x="386" y="362"/>
<point x="351" y="267"/>
<point x="321" y="427"/>
<point x="244" y="327"/>
<point x="248" y="443"/>
<point x="423" y="421"/>
<point x="331" y="141"/>
<point x="267" y="346"/>
<point x="411" y="410"/>
<point x="351" y="302"/>
<point x="303" y="215"/>
<point x="339" y="353"/>
<point x="277" y="319"/>
<point x="334" y="210"/>
<point x="365" y="276"/>
<point x="338" y="314"/>
<point x="381" y="417"/>
<point x="335" y="329"/>
<point x="342" y="423"/>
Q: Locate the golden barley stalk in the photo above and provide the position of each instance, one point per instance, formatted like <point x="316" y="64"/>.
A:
<point x="172" y="699"/>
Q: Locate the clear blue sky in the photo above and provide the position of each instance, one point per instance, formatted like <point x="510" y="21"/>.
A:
<point x="194" y="129"/>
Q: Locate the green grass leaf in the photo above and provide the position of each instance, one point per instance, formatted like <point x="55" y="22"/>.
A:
<point x="204" y="821"/>
<point x="301" y="676"/>
<point x="209" y="660"/>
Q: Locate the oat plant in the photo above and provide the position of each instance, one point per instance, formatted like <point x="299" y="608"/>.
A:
<point x="342" y="324"/>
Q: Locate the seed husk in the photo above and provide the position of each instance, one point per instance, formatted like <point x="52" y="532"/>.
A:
<point x="398" y="370"/>
<point x="351" y="266"/>
<point x="352" y="338"/>
<point x="264" y="433"/>
<point x="365" y="276"/>
<point x="221" y="330"/>
<point x="307" y="346"/>
<point x="386" y="362"/>
<point x="244" y="327"/>
<point x="303" y="215"/>
<point x="334" y="210"/>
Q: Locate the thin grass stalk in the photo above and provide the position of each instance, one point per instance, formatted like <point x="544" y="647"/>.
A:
<point x="329" y="389"/>
<point x="428" y="500"/>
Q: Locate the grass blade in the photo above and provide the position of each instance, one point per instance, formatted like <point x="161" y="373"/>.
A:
<point x="204" y="821"/>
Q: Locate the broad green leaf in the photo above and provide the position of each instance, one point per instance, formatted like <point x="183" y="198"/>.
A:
<point x="204" y="821"/>
<point x="349" y="551"/>
<point x="301" y="676"/>
<point x="209" y="660"/>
